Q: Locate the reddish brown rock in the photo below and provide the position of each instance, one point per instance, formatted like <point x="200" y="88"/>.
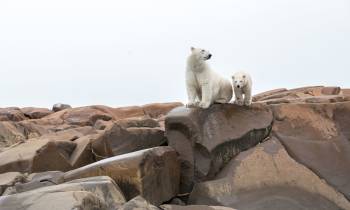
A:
<point x="144" y="121"/>
<point x="330" y="90"/>
<point x="207" y="139"/>
<point x="83" y="116"/>
<point x="152" y="173"/>
<point x="266" y="177"/>
<point x="156" y="110"/>
<point x="11" y="114"/>
<point x="317" y="136"/>
<point x="35" y="113"/>
<point x="259" y="96"/>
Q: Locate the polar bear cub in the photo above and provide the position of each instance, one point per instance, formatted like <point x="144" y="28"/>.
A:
<point x="242" y="85"/>
<point x="204" y="86"/>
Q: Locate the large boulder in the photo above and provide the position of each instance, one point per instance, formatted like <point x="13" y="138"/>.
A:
<point x="152" y="173"/>
<point x="11" y="114"/>
<point x="264" y="178"/>
<point x="36" y="156"/>
<point x="317" y="135"/>
<point x="11" y="133"/>
<point x="35" y="113"/>
<point x="207" y="139"/>
<point x="118" y="140"/>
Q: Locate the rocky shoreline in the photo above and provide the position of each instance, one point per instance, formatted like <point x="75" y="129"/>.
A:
<point x="289" y="150"/>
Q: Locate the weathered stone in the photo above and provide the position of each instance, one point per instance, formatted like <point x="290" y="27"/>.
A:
<point x="266" y="177"/>
<point x="156" y="110"/>
<point x="153" y="173"/>
<point x="11" y="114"/>
<point x="138" y="203"/>
<point x="118" y="140"/>
<point x="83" y="154"/>
<point x="35" y="113"/>
<point x="127" y="112"/>
<point x="207" y="139"/>
<point x="9" y="179"/>
<point x="10" y="134"/>
<point x="37" y="156"/>
<point x="259" y="96"/>
<point x="317" y="136"/>
<point x="101" y="186"/>
<point x="38" y="180"/>
<point x="59" y="107"/>
<point x="324" y="99"/>
<point x="144" y="121"/>
<point x="83" y="116"/>
<point x="330" y="90"/>
<point x="53" y="201"/>
<point x="194" y="207"/>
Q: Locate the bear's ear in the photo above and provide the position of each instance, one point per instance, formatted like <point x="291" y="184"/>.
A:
<point x="243" y="76"/>
<point x="233" y="77"/>
<point x="192" y="49"/>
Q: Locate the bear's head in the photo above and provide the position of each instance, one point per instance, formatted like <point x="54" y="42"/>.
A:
<point x="239" y="80"/>
<point x="200" y="54"/>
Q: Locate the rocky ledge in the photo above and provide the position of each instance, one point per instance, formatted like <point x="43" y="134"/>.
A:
<point x="289" y="150"/>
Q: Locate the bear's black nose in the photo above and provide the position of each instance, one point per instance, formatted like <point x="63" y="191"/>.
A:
<point x="238" y="86"/>
<point x="209" y="56"/>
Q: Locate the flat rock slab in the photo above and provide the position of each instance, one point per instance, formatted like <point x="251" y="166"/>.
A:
<point x="267" y="178"/>
<point x="101" y="186"/>
<point x="207" y="139"/>
<point x="317" y="136"/>
<point x="152" y="173"/>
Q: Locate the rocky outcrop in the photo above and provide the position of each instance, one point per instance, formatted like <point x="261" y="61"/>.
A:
<point x="207" y="139"/>
<point x="289" y="150"/>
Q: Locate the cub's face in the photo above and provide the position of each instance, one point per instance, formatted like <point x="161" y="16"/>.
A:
<point x="201" y="54"/>
<point x="239" y="80"/>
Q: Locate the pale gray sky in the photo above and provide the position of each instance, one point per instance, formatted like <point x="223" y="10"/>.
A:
<point x="133" y="52"/>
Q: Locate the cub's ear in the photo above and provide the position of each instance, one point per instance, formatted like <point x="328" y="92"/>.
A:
<point x="243" y="76"/>
<point x="233" y="77"/>
<point x="192" y="49"/>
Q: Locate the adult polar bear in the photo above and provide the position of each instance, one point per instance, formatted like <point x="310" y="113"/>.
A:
<point x="204" y="86"/>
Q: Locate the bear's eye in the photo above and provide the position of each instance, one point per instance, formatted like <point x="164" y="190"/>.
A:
<point x="241" y="81"/>
<point x="202" y="51"/>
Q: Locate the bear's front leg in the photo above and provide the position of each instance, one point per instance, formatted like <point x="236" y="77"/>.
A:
<point x="192" y="96"/>
<point x="206" y="96"/>
<point x="238" y="97"/>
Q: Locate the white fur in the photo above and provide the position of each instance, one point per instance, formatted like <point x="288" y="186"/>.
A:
<point x="204" y="86"/>
<point x="242" y="85"/>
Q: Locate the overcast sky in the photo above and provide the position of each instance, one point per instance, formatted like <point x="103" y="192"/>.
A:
<point x="134" y="52"/>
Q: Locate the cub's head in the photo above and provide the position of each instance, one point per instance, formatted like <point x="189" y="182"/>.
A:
<point x="239" y="80"/>
<point x="200" y="54"/>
